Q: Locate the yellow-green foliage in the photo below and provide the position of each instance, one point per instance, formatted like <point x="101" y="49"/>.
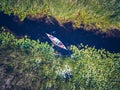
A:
<point x="103" y="14"/>
<point x="32" y="65"/>
<point x="96" y="68"/>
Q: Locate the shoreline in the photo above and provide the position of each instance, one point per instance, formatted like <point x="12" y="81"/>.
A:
<point x="86" y="14"/>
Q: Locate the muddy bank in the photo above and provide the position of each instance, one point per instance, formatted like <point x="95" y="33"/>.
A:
<point x="36" y="29"/>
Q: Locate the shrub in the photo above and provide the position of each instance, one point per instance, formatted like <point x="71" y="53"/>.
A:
<point x="30" y="64"/>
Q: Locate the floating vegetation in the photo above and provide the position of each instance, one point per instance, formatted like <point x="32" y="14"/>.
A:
<point x="94" y="14"/>
<point x="30" y="64"/>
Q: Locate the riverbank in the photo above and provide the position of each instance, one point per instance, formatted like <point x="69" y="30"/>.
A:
<point x="93" y="14"/>
<point x="30" y="64"/>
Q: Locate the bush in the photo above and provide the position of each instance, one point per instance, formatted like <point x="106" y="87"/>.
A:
<point x="30" y="64"/>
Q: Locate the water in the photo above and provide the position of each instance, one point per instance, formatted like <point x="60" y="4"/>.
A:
<point x="36" y="29"/>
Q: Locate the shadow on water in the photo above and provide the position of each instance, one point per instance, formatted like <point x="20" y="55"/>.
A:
<point x="36" y="29"/>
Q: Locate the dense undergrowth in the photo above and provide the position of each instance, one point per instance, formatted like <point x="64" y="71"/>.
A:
<point x="31" y="65"/>
<point x="100" y="14"/>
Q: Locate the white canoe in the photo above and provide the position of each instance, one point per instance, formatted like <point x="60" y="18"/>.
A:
<point x="56" y="41"/>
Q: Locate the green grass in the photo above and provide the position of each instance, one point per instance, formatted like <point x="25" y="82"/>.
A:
<point x="32" y="65"/>
<point x="101" y="14"/>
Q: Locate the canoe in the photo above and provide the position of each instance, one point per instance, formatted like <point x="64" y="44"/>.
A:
<point x="56" y="41"/>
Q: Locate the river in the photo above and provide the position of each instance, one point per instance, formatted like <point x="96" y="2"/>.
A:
<point x="36" y="29"/>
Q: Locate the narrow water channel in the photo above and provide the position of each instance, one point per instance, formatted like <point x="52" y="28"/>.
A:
<point x="36" y="29"/>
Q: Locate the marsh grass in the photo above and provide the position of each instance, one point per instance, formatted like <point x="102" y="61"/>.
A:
<point x="30" y="64"/>
<point x="101" y="14"/>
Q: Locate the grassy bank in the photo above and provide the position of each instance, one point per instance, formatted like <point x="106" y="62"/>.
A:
<point x="32" y="65"/>
<point x="100" y="14"/>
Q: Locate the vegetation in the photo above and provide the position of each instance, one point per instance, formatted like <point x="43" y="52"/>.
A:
<point x="100" y="14"/>
<point x="32" y="65"/>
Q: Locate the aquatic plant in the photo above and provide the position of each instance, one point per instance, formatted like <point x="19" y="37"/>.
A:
<point x="30" y="64"/>
<point x="100" y="14"/>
